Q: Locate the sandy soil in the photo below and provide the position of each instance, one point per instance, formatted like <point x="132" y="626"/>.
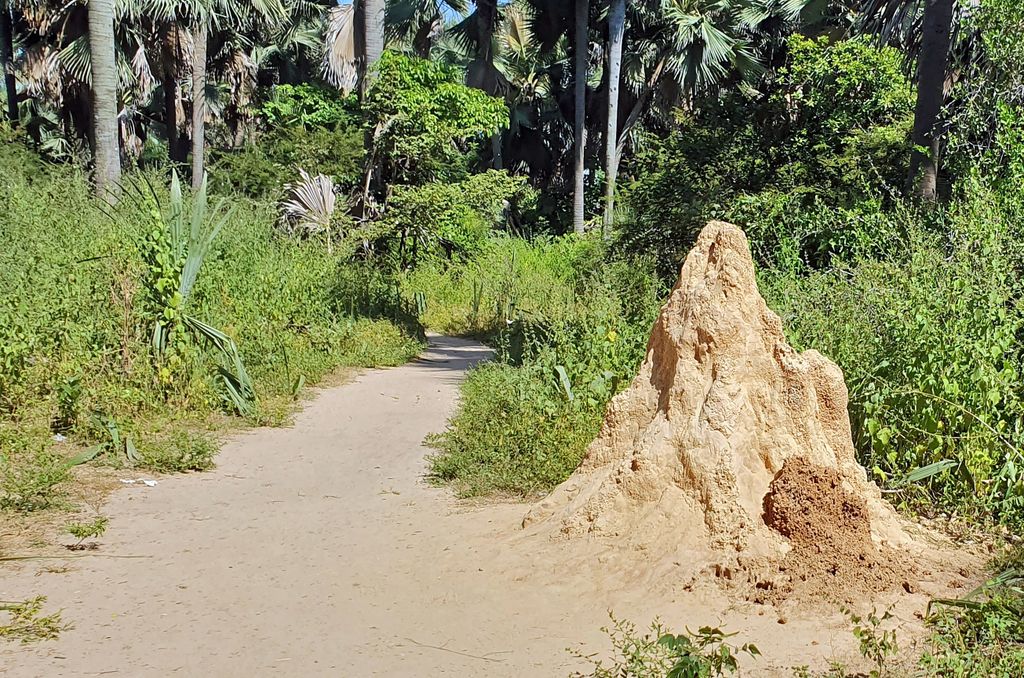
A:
<point x="319" y="550"/>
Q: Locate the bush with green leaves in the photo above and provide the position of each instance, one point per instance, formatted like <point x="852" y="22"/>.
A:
<point x="706" y="653"/>
<point x="928" y="337"/>
<point x="441" y="218"/>
<point x="569" y="331"/>
<point x="828" y="134"/>
<point x="424" y="122"/>
<point x="262" y="169"/>
<point x="308" y="105"/>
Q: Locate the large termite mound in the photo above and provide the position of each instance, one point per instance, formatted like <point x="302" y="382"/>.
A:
<point x="687" y="455"/>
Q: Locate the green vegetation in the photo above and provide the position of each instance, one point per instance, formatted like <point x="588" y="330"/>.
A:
<point x="27" y="623"/>
<point x="983" y="633"/>
<point x="570" y="330"/>
<point x="121" y="330"/>
<point x="662" y="654"/>
<point x="87" y="530"/>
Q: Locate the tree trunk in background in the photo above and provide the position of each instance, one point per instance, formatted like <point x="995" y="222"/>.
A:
<point x="198" y="105"/>
<point x="481" y="73"/>
<point x="580" y="141"/>
<point x="374" y="21"/>
<point x="169" y="81"/>
<point x="7" y="59"/>
<point x="932" y="61"/>
<point x="616" y="33"/>
<point x="497" y="159"/>
<point x="104" y="99"/>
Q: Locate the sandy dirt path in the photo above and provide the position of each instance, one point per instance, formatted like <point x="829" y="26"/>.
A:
<point x="318" y="550"/>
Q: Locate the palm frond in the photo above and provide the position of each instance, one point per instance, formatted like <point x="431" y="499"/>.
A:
<point x="340" y="66"/>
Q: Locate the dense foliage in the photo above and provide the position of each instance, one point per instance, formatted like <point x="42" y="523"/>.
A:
<point x="794" y="164"/>
<point x="81" y="292"/>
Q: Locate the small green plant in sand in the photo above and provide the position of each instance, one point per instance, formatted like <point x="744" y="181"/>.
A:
<point x="877" y="644"/>
<point x="663" y="654"/>
<point x="28" y="624"/>
<point x="180" y="452"/>
<point x="86" y="530"/>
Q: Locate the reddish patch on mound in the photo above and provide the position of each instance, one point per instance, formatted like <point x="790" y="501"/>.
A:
<point x="832" y="555"/>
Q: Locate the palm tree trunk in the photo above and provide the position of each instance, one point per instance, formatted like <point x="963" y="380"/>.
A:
<point x="7" y="59"/>
<point x="374" y="42"/>
<point x="482" y="73"/>
<point x="616" y="33"/>
<point x="580" y="140"/>
<point x="104" y="99"/>
<point x="497" y="157"/>
<point x="198" y="105"/>
<point x="168" y="55"/>
<point x="932" y="61"/>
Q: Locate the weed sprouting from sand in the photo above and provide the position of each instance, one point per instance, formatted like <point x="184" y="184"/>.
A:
<point x="86" y="530"/>
<point x="27" y="623"/>
<point x="660" y="653"/>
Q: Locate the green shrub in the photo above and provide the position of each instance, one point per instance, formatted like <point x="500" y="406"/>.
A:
<point x="180" y="452"/>
<point x="261" y="170"/>
<point x="79" y="295"/>
<point x="829" y="134"/>
<point x="309" y="106"/>
<point x="423" y="120"/>
<point x="928" y="337"/>
<point x="569" y="332"/>
<point x="456" y="218"/>
<point x="662" y="654"/>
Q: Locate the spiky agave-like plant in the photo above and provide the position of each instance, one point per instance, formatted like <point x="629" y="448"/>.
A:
<point x="179" y="241"/>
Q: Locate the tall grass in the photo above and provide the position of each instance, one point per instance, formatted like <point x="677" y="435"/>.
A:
<point x="77" y="359"/>
<point x="569" y="326"/>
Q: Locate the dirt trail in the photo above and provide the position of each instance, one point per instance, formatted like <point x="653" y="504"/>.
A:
<point x="318" y="550"/>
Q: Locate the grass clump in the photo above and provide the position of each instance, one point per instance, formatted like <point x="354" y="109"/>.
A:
<point x="564" y="347"/>
<point x="513" y="435"/>
<point x="983" y="633"/>
<point x="182" y="451"/>
<point x="30" y="480"/>
<point x="27" y="624"/>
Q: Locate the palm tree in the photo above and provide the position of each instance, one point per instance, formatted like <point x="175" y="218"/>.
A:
<point x="7" y="61"/>
<point x="679" y="49"/>
<point x="104" y="98"/>
<point x="419" y="23"/>
<point x="219" y="15"/>
<point x="354" y="42"/>
<point x="199" y="37"/>
<point x="373" y="11"/>
<point x="582" y="52"/>
<point x="616" y="34"/>
<point x="936" y="37"/>
<point x="936" y="31"/>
